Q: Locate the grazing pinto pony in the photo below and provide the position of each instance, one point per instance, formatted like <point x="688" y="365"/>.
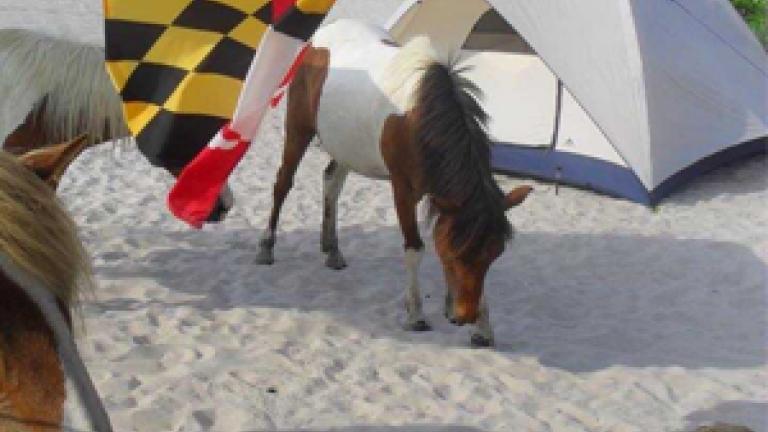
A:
<point x="402" y="115"/>
<point x="43" y="269"/>
<point x="62" y="90"/>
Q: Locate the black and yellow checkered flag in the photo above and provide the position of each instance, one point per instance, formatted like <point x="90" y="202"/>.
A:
<point x="178" y="66"/>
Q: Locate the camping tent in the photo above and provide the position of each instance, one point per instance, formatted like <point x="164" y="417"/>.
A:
<point x="625" y="97"/>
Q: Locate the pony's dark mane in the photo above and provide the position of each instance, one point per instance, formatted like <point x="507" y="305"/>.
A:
<point x="451" y="132"/>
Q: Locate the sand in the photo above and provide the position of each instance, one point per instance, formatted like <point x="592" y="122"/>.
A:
<point x="609" y="316"/>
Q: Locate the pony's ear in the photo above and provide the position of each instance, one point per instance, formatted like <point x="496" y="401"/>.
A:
<point x="516" y="196"/>
<point x="49" y="163"/>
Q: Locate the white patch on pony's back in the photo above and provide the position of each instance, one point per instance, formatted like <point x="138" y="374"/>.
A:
<point x="368" y="80"/>
<point x="353" y="107"/>
<point x="71" y="74"/>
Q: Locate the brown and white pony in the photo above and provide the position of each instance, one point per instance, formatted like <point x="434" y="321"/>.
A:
<point x="60" y="90"/>
<point x="43" y="269"/>
<point x="401" y="115"/>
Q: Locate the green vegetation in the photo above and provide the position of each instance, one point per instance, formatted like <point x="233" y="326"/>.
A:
<point x="755" y="13"/>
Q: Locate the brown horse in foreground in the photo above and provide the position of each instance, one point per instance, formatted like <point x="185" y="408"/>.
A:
<point x="43" y="269"/>
<point x="400" y="114"/>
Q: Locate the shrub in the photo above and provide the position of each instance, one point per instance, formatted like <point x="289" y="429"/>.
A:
<point x="755" y="13"/>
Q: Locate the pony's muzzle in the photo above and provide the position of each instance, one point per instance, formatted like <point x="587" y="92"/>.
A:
<point x="463" y="315"/>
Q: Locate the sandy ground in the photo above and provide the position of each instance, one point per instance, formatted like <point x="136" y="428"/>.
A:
<point x="608" y="316"/>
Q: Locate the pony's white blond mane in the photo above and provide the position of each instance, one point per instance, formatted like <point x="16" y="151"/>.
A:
<point x="38" y="235"/>
<point x="406" y="68"/>
<point x="69" y="75"/>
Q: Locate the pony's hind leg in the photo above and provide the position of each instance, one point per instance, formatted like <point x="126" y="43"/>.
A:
<point x="300" y="128"/>
<point x="297" y="140"/>
<point x="333" y="182"/>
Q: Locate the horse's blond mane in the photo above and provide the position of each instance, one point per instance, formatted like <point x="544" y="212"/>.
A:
<point x="68" y="76"/>
<point x="38" y="235"/>
<point x="406" y="67"/>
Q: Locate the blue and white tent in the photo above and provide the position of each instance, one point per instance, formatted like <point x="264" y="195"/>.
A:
<point x="625" y="97"/>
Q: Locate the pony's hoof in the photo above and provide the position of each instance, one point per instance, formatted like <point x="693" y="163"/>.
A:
<point x="480" y="341"/>
<point x="265" y="257"/>
<point x="335" y="261"/>
<point x="418" y="326"/>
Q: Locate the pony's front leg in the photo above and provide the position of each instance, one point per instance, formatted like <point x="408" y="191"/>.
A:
<point x="416" y="320"/>
<point x="405" y="204"/>
<point x="482" y="333"/>
<point x="333" y="181"/>
<point x="397" y="150"/>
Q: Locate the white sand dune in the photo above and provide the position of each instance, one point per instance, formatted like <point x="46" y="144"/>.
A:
<point x="608" y="316"/>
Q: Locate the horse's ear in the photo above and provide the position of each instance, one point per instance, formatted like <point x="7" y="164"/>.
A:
<point x="49" y="163"/>
<point x="516" y="196"/>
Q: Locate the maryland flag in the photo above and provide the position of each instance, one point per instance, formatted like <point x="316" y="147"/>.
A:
<point x="197" y="72"/>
